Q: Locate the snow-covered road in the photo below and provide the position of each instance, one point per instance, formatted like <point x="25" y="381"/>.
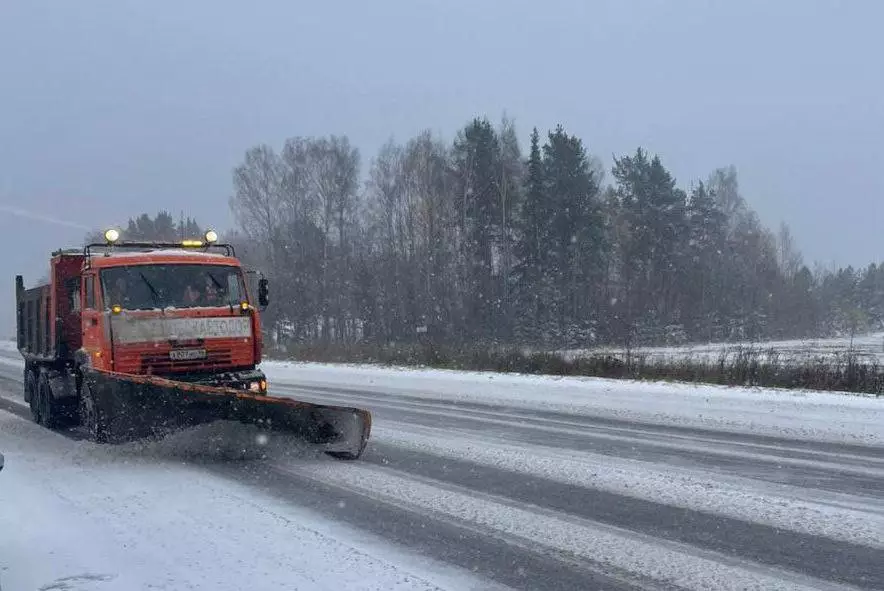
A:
<point x="470" y="481"/>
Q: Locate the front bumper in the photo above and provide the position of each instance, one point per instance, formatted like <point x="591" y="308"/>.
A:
<point x="252" y="380"/>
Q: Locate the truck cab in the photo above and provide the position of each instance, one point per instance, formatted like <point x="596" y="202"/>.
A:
<point x="174" y="312"/>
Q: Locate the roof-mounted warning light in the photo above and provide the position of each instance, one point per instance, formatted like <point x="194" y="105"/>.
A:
<point x="112" y="243"/>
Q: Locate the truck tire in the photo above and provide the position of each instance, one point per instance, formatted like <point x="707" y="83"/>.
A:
<point x="30" y="387"/>
<point x="34" y="400"/>
<point x="91" y="417"/>
<point x="47" y="410"/>
<point x="30" y="384"/>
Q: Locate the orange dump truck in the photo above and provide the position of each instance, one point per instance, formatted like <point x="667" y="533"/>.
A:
<point x="136" y="339"/>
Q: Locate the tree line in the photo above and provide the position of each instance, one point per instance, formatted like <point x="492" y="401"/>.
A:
<point x="472" y="241"/>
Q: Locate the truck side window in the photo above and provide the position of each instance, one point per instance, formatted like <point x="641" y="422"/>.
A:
<point x="233" y="289"/>
<point x="90" y="291"/>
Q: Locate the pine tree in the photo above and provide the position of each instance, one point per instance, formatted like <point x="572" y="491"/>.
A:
<point x="476" y="155"/>
<point x="701" y="269"/>
<point x="573" y="237"/>
<point x="532" y="260"/>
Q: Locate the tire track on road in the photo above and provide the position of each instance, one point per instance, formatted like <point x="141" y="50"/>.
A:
<point x="457" y="542"/>
<point x="817" y="556"/>
<point x="569" y="537"/>
<point x="843" y="471"/>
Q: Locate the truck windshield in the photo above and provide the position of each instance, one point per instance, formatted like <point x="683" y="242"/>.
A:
<point x="147" y="287"/>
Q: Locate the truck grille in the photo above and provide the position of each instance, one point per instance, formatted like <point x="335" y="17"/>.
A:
<point x="161" y="364"/>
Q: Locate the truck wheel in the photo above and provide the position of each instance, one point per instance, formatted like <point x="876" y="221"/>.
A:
<point x="47" y="410"/>
<point x="71" y="412"/>
<point x="30" y="390"/>
<point x="34" y="403"/>
<point x="30" y="384"/>
<point x="91" y="417"/>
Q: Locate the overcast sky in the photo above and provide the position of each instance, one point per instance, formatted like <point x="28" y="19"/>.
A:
<point x="111" y="108"/>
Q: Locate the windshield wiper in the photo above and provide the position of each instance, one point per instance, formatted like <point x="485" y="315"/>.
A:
<point x="153" y="291"/>
<point x="220" y="289"/>
<point x="215" y="281"/>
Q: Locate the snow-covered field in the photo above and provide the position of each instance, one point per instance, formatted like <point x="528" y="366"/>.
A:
<point x="866" y="347"/>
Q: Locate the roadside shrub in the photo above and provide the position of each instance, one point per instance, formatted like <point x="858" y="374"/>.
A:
<point x="739" y="366"/>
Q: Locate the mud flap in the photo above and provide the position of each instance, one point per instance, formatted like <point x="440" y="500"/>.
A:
<point x="136" y="407"/>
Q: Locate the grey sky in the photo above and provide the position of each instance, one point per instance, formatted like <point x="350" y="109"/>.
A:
<point x="121" y="106"/>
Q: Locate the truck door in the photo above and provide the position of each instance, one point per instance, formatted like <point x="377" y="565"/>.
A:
<point x="93" y="323"/>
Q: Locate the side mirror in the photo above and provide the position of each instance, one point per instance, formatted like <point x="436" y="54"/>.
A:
<point x="263" y="292"/>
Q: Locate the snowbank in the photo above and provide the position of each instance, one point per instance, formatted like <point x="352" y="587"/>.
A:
<point x="788" y="413"/>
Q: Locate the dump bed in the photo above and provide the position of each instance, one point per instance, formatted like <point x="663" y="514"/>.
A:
<point x="34" y="320"/>
<point x="47" y="316"/>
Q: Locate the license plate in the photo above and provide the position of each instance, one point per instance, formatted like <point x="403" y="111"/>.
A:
<point x="187" y="354"/>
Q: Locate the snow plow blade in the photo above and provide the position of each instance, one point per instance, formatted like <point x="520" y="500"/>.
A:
<point x="131" y="407"/>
